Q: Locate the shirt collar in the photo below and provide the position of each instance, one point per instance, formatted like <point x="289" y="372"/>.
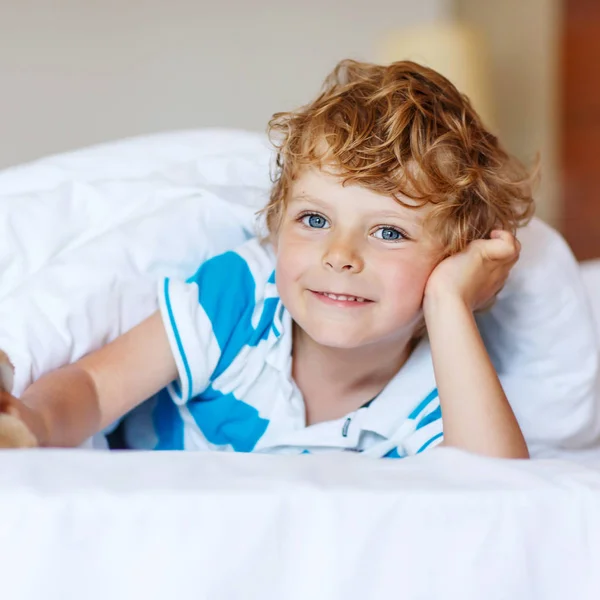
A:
<point x="410" y="386"/>
<point x="393" y="406"/>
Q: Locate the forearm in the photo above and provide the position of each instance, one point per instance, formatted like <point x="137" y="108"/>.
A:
<point x="477" y="416"/>
<point x="65" y="407"/>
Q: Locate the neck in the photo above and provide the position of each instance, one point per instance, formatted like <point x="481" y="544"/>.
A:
<point x="344" y="378"/>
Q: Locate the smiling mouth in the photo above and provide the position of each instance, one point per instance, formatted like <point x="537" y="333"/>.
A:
<point x="342" y="297"/>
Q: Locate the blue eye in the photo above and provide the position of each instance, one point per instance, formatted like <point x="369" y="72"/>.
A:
<point x="389" y="234"/>
<point x="314" y="221"/>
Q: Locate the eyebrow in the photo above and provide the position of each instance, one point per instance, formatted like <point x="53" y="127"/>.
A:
<point x="304" y="197"/>
<point x="404" y="213"/>
<point x="384" y="214"/>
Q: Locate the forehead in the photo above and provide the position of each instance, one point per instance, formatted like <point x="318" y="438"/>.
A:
<point x="326" y="187"/>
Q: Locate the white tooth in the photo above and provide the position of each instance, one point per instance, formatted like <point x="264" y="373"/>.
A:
<point x="343" y="298"/>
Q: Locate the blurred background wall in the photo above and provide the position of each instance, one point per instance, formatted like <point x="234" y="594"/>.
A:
<point x="75" y="73"/>
<point x="523" y="37"/>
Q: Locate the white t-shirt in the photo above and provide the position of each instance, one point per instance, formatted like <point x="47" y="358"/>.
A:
<point x="232" y="340"/>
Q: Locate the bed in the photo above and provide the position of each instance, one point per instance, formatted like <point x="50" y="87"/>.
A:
<point x="83" y="238"/>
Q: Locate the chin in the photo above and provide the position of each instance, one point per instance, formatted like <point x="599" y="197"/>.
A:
<point x="336" y="336"/>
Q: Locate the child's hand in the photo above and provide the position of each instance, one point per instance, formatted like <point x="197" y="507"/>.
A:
<point x="476" y="274"/>
<point x="477" y="415"/>
<point x="17" y="423"/>
<point x="16" y="419"/>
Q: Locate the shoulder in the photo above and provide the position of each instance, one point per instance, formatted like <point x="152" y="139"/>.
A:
<point x="247" y="268"/>
<point x="226" y="309"/>
<point x="234" y="283"/>
<point x="237" y="292"/>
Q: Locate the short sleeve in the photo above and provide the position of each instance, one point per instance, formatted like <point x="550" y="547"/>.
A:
<point x="209" y="317"/>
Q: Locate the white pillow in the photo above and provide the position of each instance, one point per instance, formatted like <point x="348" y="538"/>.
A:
<point x="541" y="337"/>
<point x="590" y="271"/>
<point x="85" y="235"/>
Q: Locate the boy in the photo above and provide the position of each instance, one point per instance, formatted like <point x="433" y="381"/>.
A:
<point x="393" y="208"/>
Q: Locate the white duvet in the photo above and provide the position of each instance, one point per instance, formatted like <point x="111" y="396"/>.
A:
<point x="99" y="525"/>
<point x="83" y="238"/>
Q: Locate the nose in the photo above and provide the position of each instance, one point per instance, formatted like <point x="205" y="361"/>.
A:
<point x="342" y="255"/>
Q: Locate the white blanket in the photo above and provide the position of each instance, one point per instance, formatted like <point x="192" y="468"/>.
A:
<point x="84" y="236"/>
<point x="445" y="525"/>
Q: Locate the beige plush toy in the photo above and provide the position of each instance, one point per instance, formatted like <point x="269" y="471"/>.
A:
<point x="13" y="432"/>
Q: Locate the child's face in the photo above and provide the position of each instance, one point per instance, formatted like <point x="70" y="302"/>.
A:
<point x="352" y="264"/>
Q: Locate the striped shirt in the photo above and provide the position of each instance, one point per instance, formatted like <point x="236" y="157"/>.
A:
<point x="232" y="341"/>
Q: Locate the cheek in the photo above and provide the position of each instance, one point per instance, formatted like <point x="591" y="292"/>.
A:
<point x="294" y="255"/>
<point x="291" y="264"/>
<point x="406" y="279"/>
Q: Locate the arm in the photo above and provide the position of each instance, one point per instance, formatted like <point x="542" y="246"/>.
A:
<point x="66" y="406"/>
<point x="477" y="415"/>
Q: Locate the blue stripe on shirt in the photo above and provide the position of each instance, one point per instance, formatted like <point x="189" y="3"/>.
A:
<point x="421" y="406"/>
<point x="230" y="314"/>
<point x="393" y="453"/>
<point x="184" y="359"/>
<point x="225" y="420"/>
<point x="434" y="415"/>
<point x="437" y="436"/>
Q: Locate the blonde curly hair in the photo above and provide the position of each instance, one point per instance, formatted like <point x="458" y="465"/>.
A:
<point x="404" y="130"/>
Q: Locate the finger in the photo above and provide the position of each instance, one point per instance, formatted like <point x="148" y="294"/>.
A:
<point x="507" y="236"/>
<point x="6" y="404"/>
<point x="15" y="434"/>
<point x="497" y="249"/>
<point x="501" y="234"/>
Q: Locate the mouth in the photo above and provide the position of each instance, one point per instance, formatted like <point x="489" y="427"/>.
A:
<point x="339" y="298"/>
